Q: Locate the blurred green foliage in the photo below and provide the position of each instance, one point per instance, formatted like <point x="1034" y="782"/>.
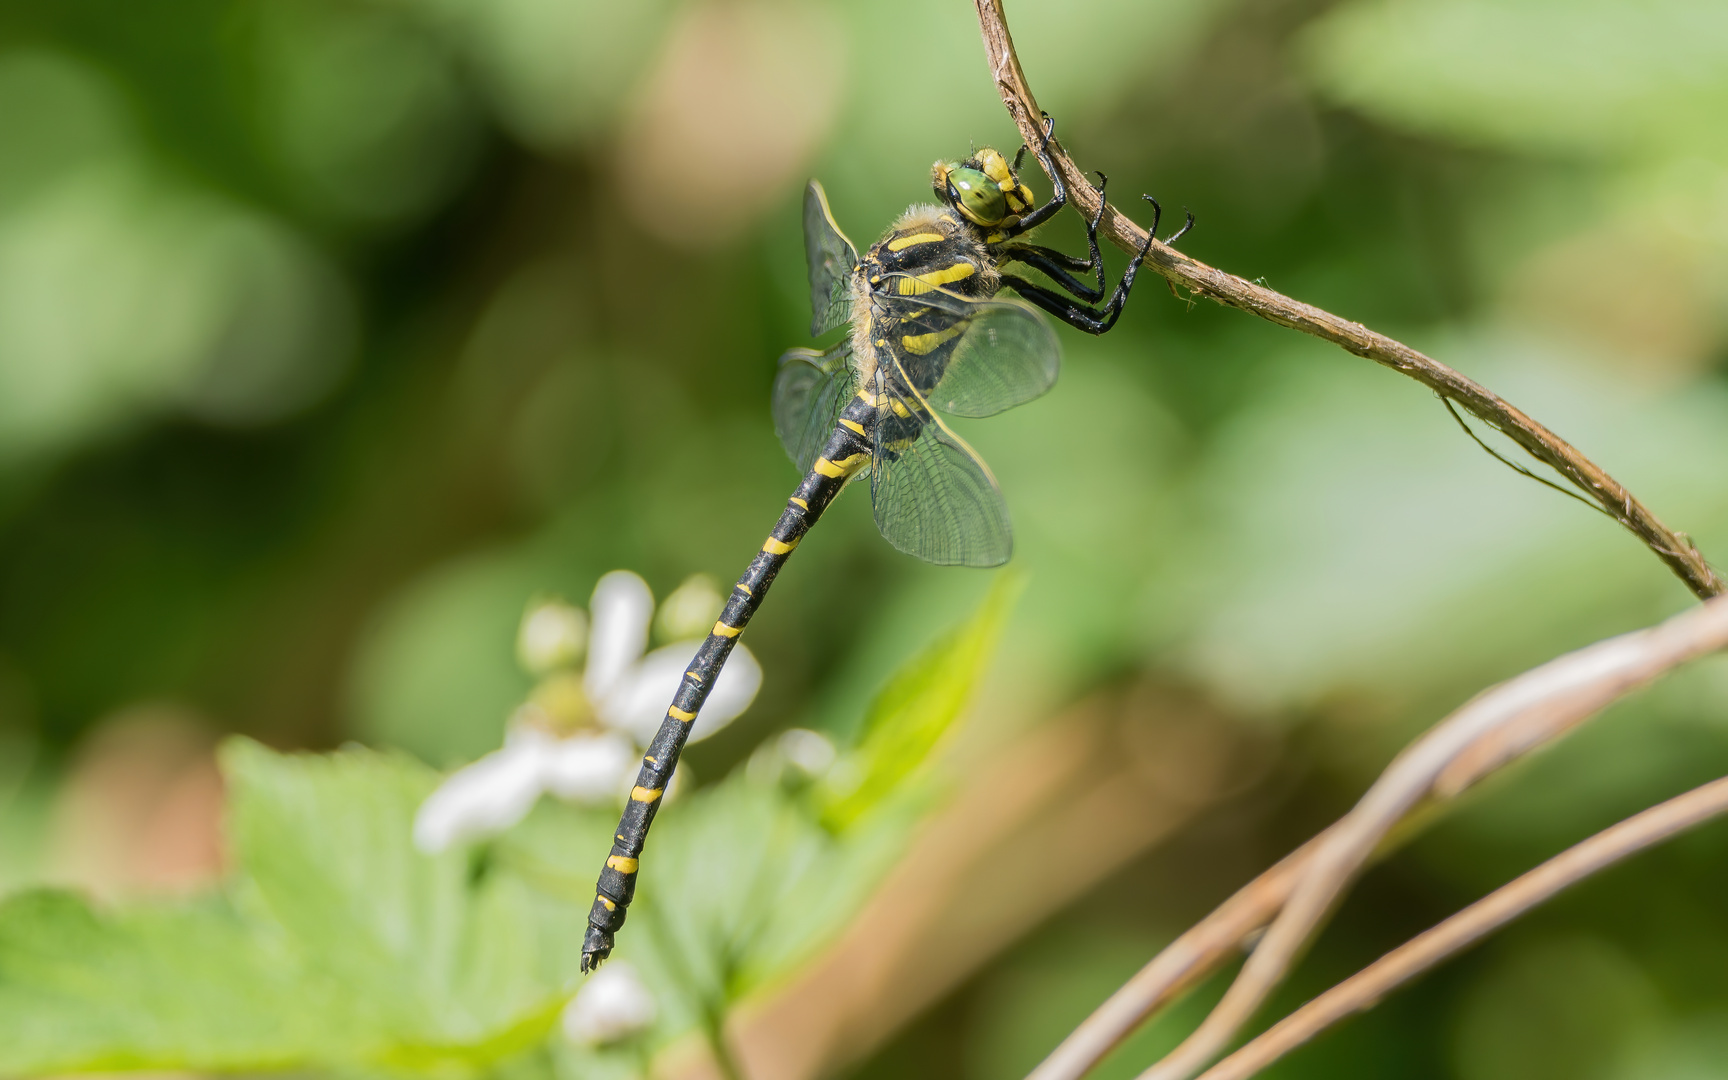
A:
<point x="337" y="944"/>
<point x="913" y="711"/>
<point x="332" y="330"/>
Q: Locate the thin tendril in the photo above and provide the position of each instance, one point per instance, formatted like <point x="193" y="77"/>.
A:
<point x="1517" y="468"/>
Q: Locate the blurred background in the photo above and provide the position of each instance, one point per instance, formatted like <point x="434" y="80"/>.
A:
<point x="333" y="330"/>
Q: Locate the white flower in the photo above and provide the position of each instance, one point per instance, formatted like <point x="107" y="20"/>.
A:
<point x="628" y="693"/>
<point x="493" y="793"/>
<point x="613" y="1004"/>
<point x="588" y="768"/>
<point x="639" y="705"/>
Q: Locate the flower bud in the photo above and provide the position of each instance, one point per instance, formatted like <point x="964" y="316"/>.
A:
<point x="553" y="635"/>
<point x="691" y="610"/>
<point x="794" y="758"/>
<point x="613" y="1004"/>
<point x="810" y="752"/>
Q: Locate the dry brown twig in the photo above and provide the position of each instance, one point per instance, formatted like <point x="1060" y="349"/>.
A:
<point x="1492" y="729"/>
<point x="1672" y="548"/>
<point x="1555" y="697"/>
<point x="1493" y="911"/>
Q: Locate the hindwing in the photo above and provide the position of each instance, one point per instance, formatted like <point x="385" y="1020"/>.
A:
<point x="932" y="495"/>
<point x="809" y="393"/>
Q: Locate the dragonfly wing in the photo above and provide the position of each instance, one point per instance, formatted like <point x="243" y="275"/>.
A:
<point x="832" y="258"/>
<point x="973" y="357"/>
<point x="932" y="495"/>
<point x="809" y="393"/>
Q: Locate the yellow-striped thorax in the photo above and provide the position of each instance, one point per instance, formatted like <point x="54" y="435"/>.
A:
<point x="929" y="247"/>
<point x="951" y="247"/>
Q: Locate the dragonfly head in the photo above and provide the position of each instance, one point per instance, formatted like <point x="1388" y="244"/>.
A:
<point x="983" y="188"/>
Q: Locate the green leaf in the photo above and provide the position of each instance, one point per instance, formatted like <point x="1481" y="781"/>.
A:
<point x="160" y="987"/>
<point x="713" y="887"/>
<point x="914" y="710"/>
<point x="336" y="944"/>
<point x="434" y="957"/>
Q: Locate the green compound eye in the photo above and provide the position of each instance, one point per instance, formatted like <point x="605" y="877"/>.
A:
<point x="980" y="197"/>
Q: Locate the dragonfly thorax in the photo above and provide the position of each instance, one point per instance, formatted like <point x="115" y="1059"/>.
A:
<point x="936" y="248"/>
<point x="929" y="248"/>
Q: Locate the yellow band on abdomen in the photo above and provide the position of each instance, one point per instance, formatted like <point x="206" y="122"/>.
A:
<point x="843" y="467"/>
<point x="924" y="344"/>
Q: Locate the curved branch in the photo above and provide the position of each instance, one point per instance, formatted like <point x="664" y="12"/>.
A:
<point x="1674" y="549"/>
<point x="1203" y="949"/>
<point x="1487" y="732"/>
<point x="1363" y="990"/>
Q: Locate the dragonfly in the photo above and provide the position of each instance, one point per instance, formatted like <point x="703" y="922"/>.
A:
<point x="930" y="337"/>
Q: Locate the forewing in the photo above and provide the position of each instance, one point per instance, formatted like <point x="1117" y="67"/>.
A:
<point x="933" y="497"/>
<point x="809" y="393"/>
<point x="831" y="258"/>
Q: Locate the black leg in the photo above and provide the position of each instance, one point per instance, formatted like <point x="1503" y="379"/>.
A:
<point x="1080" y="317"/>
<point x="1014" y="253"/>
<point x="1158" y="215"/>
<point x="1058" y="193"/>
<point x="1183" y="231"/>
<point x="1056" y="265"/>
<point x="1091" y="320"/>
<point x="1092" y="229"/>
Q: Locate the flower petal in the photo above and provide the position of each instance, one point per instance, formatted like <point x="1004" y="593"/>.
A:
<point x="483" y="798"/>
<point x="733" y="692"/>
<point x="622" y="608"/>
<point x="614" y="1003"/>
<point x="589" y="768"/>
<point x="639" y="702"/>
